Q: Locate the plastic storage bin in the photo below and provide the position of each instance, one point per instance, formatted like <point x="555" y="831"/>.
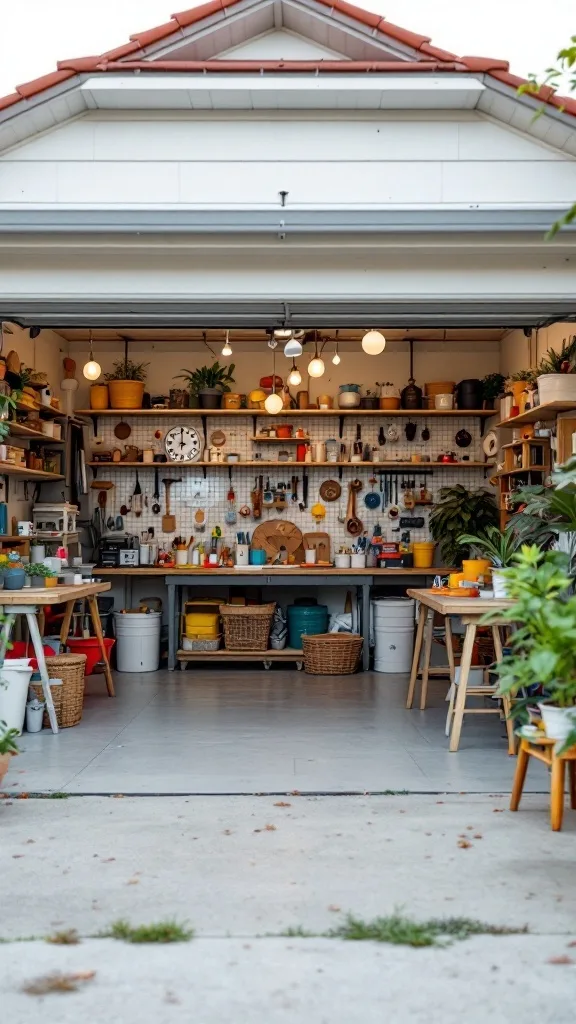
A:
<point x="304" y="620"/>
<point x="393" y="620"/>
<point x="138" y="641"/>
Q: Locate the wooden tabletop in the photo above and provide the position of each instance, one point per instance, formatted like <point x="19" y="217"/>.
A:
<point x="51" y="595"/>
<point x="266" y="570"/>
<point x="468" y="606"/>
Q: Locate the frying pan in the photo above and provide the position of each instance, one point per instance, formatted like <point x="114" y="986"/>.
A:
<point x="353" y="524"/>
<point x="330" y="490"/>
<point x="122" y="430"/>
<point x="372" y="499"/>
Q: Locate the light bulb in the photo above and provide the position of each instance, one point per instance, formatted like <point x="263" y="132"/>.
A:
<point x="336" y="358"/>
<point x="292" y="348"/>
<point x="294" y="377"/>
<point x="227" y="350"/>
<point x="273" y="404"/>
<point x="92" y="370"/>
<point x="316" y="367"/>
<point x="373" y="343"/>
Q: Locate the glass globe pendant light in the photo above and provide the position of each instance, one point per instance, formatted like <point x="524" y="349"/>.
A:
<point x="273" y="403"/>
<point x="336" y="358"/>
<point x="373" y="343"/>
<point x="294" y="377"/>
<point x="91" y="369"/>
<point x="227" y="350"/>
<point x="316" y="365"/>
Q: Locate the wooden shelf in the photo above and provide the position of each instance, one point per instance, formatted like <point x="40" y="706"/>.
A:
<point x="282" y="440"/>
<point x="548" y="411"/>
<point x="519" y="472"/>
<point x="416" y="466"/>
<point x="21" y="430"/>
<point x="7" y="469"/>
<point x="47" y="410"/>
<point x="288" y="654"/>
<point x="382" y="413"/>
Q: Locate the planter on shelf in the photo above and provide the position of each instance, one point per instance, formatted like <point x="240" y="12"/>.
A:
<point x="99" y="397"/>
<point x="51" y="581"/>
<point x="210" y="398"/>
<point x="499" y="584"/>
<point x="517" y="387"/>
<point x="558" y="722"/>
<point x="126" y="394"/>
<point x="37" y="581"/>
<point x="556" y="387"/>
<point x="14" y="578"/>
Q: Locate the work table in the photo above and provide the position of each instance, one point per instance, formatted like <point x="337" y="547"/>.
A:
<point x="266" y="570"/>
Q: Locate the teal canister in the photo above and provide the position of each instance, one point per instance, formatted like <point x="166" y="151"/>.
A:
<point x="305" y="620"/>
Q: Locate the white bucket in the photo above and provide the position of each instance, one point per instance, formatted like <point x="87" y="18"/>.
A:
<point x="557" y="387"/>
<point x="15" y="675"/>
<point x="137" y="641"/>
<point x="558" y="722"/>
<point x="393" y="633"/>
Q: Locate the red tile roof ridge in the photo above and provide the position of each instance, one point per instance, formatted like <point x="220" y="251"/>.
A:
<point x="428" y="57"/>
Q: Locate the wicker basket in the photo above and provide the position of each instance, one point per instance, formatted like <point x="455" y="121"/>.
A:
<point x="68" y="698"/>
<point x="332" y="654"/>
<point x="247" y="627"/>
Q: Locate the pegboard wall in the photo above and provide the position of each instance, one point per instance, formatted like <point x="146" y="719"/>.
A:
<point x="211" y="493"/>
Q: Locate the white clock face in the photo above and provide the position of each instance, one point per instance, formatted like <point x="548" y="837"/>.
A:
<point x="182" y="444"/>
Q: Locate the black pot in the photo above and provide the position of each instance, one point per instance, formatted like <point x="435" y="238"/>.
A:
<point x="210" y="398"/>
<point x="469" y="394"/>
<point x="369" y="402"/>
<point x="411" y="396"/>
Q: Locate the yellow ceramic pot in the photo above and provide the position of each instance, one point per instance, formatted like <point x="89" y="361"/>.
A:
<point x="126" y="394"/>
<point x="99" y="396"/>
<point x="473" y="568"/>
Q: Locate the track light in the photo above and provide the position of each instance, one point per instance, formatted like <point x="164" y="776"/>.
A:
<point x="294" y="377"/>
<point x="227" y="350"/>
<point x="373" y="343"/>
<point x="91" y="369"/>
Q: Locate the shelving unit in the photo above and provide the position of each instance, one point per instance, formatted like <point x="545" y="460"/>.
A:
<point x="21" y="430"/>
<point x="541" y="412"/>
<point x="8" y="469"/>
<point x="287" y="654"/>
<point x="525" y="461"/>
<point x="44" y="410"/>
<point x="416" y="466"/>
<point x="383" y="413"/>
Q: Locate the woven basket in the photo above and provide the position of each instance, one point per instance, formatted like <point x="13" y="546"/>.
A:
<point x="332" y="654"/>
<point x="247" y="627"/>
<point x="68" y="698"/>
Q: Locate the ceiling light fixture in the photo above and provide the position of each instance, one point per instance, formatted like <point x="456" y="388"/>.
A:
<point x="292" y="348"/>
<point x="273" y="403"/>
<point x="294" y="377"/>
<point x="91" y="369"/>
<point x="227" y="350"/>
<point x="316" y="365"/>
<point x="373" y="343"/>
<point x="336" y="358"/>
<point x="282" y="334"/>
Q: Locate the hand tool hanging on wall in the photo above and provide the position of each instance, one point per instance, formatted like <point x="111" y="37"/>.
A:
<point x="304" y="503"/>
<point x="136" y="503"/>
<point x="353" y="524"/>
<point x="169" y="520"/>
<point x="156" y="495"/>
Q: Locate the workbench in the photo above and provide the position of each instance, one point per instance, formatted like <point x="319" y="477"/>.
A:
<point x="178" y="578"/>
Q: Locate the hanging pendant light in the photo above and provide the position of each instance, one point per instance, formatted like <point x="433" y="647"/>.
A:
<point x="292" y="348"/>
<point x="227" y="350"/>
<point x="336" y="358"/>
<point x="294" y="377"/>
<point x="316" y="365"/>
<point x="373" y="343"/>
<point x="273" y="403"/>
<point x="91" y="369"/>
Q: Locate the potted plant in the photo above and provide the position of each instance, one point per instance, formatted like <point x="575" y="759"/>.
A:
<point x="557" y="374"/>
<point x="14" y="575"/>
<point x="208" y="383"/>
<point x="389" y="395"/>
<point x="99" y="396"/>
<point x="543" y="647"/>
<point x="38" y="573"/>
<point x="458" y="511"/>
<point x="492" y="388"/>
<point x="126" y="384"/>
<point x="8" y="748"/>
<point x="517" y="383"/>
<point x="500" y="548"/>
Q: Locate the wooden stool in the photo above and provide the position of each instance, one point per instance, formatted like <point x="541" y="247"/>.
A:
<point x="543" y="749"/>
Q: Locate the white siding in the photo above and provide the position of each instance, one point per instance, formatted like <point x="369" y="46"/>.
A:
<point x="280" y="46"/>
<point x="375" y="160"/>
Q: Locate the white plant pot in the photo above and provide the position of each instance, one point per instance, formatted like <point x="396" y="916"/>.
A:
<point x="557" y="387"/>
<point x="499" y="584"/>
<point x="558" y="722"/>
<point x="16" y="673"/>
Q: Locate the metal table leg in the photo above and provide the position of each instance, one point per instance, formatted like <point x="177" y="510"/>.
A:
<point x="32" y="621"/>
<point x="171" y="627"/>
<point x="365" y="588"/>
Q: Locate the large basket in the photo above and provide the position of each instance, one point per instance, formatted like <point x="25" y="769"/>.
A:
<point x="68" y="698"/>
<point x="247" y="627"/>
<point x="332" y="654"/>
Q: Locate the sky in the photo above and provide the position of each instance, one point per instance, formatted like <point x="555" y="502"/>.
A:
<point x="36" y="34"/>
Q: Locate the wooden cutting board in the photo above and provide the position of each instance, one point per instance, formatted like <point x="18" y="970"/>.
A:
<point x="320" y="541"/>
<point x="277" y="533"/>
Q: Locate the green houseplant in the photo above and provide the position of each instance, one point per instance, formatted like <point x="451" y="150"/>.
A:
<point x="208" y="383"/>
<point x="8" y="748"/>
<point x="543" y="647"/>
<point x="557" y="374"/>
<point x="492" y="388"/>
<point x="500" y="547"/>
<point x="38" y="573"/>
<point x="458" y="511"/>
<point x="126" y="384"/>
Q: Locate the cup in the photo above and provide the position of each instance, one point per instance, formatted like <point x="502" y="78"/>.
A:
<point x="38" y="553"/>
<point x="257" y="557"/>
<point x="358" y="560"/>
<point x="242" y="554"/>
<point x="78" y="580"/>
<point x="342" y="561"/>
<point x="148" y="455"/>
<point x="144" y="554"/>
<point x="310" y="556"/>
<point x="212" y="557"/>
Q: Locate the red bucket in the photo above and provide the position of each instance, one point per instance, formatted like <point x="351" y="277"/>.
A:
<point x="91" y="648"/>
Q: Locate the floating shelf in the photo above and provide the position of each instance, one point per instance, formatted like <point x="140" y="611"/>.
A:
<point x="549" y="411"/>
<point x="519" y="472"/>
<point x="7" y="469"/>
<point x="282" y="440"/>
<point x="47" y="410"/>
<point x="382" y="413"/>
<point x="21" y="430"/>
<point x="416" y="466"/>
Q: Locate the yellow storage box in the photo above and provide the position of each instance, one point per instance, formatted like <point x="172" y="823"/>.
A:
<point x="202" y="618"/>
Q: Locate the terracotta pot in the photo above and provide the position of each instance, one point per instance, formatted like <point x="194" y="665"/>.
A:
<point x="518" y="387"/>
<point x="126" y="394"/>
<point x="99" y="397"/>
<point x="2" y="369"/>
<point x="284" y="430"/>
<point x="391" y="402"/>
<point x="4" y="765"/>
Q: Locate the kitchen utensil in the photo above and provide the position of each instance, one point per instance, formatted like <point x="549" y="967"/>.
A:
<point x="130" y="453"/>
<point x="217" y="439"/>
<point x="395" y="490"/>
<point x="411" y="395"/>
<point x="304" y="503"/>
<point x="425" y="435"/>
<point x="463" y="439"/>
<point x="411" y="522"/>
<point x="119" y="522"/>
<point x="318" y="511"/>
<point x="469" y="394"/>
<point x="330" y="490"/>
<point x="320" y="542"/>
<point x="136" y="500"/>
<point x="381" y="437"/>
<point x="447" y="457"/>
<point x="156" y="495"/>
<point x="294" y="498"/>
<point x="357" y="448"/>
<point x="169" y="520"/>
<point x="275" y="534"/>
<point x="393" y="512"/>
<point x="353" y="524"/>
<point x="245" y="511"/>
<point x="392" y="433"/>
<point x="267" y="495"/>
<point x="372" y="500"/>
<point x="122" y="430"/>
<point x="230" y="516"/>
<point x="410" y="430"/>
<point x="348" y="400"/>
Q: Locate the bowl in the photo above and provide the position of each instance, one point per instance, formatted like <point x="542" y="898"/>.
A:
<point x="348" y="400"/>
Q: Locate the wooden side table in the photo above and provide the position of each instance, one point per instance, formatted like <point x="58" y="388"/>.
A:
<point x="544" y="749"/>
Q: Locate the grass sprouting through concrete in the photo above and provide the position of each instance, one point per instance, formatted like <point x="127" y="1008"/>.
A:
<point x="403" y="931"/>
<point x="162" y="932"/>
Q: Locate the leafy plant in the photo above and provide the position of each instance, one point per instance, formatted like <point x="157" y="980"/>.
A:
<point x="458" y="511"/>
<point x="214" y="376"/>
<point x="492" y="386"/>
<point x="38" y="569"/>
<point x="500" y="547"/>
<point x="7" y="407"/>
<point x="543" y="647"/>
<point x="563" y="361"/>
<point x="8" y="736"/>
<point x="521" y="376"/>
<point x="125" y="369"/>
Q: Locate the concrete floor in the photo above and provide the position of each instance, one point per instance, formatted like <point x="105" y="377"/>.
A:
<point x="210" y="861"/>
<point x="247" y="730"/>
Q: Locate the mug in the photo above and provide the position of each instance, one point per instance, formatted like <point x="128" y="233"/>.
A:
<point x="242" y="554"/>
<point x="148" y="455"/>
<point x="25" y="529"/>
<point x="212" y="557"/>
<point x="310" y="555"/>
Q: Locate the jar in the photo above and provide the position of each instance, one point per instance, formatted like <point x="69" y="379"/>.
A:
<point x="179" y="398"/>
<point x="231" y="400"/>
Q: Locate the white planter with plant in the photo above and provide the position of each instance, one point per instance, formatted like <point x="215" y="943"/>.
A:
<point x="500" y="547"/>
<point x="557" y="374"/>
<point x="15" y="675"/>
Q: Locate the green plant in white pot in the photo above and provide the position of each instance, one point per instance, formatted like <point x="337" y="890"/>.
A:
<point x="500" y="547"/>
<point x="557" y="374"/>
<point x="8" y="748"/>
<point x="543" y="646"/>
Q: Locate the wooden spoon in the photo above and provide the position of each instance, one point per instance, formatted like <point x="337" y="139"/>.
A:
<point x="353" y="524"/>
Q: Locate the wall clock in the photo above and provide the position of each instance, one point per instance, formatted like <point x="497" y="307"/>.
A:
<point x="183" y="444"/>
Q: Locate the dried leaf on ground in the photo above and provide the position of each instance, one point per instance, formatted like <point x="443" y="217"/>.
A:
<point x="478" y="835"/>
<point x="282" y="803"/>
<point x="227" y="832"/>
<point x="68" y="937"/>
<point x="334" y="908"/>
<point x="498" y="810"/>
<point x="108" y="860"/>
<point x="563" y="959"/>
<point x="133" y="881"/>
<point x="57" y="982"/>
<point x="464" y="844"/>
